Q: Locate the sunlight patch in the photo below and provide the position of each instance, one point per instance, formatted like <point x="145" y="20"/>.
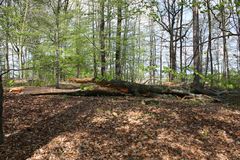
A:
<point x="137" y="117"/>
<point x="99" y="120"/>
<point x="227" y="116"/>
<point x="224" y="136"/>
<point x="124" y="129"/>
<point x="61" y="147"/>
<point x="164" y="135"/>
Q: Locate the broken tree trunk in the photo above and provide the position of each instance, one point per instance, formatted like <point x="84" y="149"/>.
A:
<point x="141" y="89"/>
<point x="95" y="92"/>
<point x="79" y="80"/>
<point x="118" y="88"/>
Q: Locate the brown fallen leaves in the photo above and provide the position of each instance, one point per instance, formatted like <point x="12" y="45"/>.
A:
<point x="64" y="127"/>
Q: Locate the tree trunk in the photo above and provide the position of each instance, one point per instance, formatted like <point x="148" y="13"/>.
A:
<point x="139" y="45"/>
<point x="109" y="25"/>
<point x="225" y="51"/>
<point x="151" y="64"/>
<point x="8" y="4"/>
<point x="141" y="89"/>
<point x="1" y="112"/>
<point x="181" y="40"/>
<point x="133" y="55"/>
<point x="57" y="45"/>
<point x="172" y="58"/>
<point x="161" y="59"/>
<point x="209" y="53"/>
<point x="238" y="31"/>
<point x="118" y="41"/>
<point x="21" y="40"/>
<point x="125" y="44"/>
<point x="7" y="55"/>
<point x="94" y="42"/>
<point x="196" y="53"/>
<point x="102" y="39"/>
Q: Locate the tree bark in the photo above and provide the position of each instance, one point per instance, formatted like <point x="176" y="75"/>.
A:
<point x="209" y="53"/>
<point x="57" y="45"/>
<point x="196" y="52"/>
<point x="21" y="40"/>
<point x="102" y="38"/>
<point x="225" y="50"/>
<point x="151" y="51"/>
<point x="181" y="40"/>
<point x="1" y="112"/>
<point x="161" y="59"/>
<point x="94" y="42"/>
<point x="8" y="4"/>
<point x="237" y="3"/>
<point x="141" y="89"/>
<point x="118" y="66"/>
<point x="125" y="44"/>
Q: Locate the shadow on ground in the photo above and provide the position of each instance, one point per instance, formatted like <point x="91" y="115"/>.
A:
<point x="119" y="128"/>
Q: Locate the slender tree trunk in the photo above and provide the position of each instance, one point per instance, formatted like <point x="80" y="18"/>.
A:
<point x="1" y="112"/>
<point x="118" y="66"/>
<point x="172" y="58"/>
<point x="153" y="54"/>
<point x="161" y="59"/>
<point x="151" y="50"/>
<point x="125" y="44"/>
<point x="133" y="53"/>
<point x="21" y="40"/>
<point x="238" y="31"/>
<point x="109" y="25"/>
<point x="237" y="10"/>
<point x="225" y="50"/>
<point x="13" y="66"/>
<point x="238" y="19"/>
<point x="139" y="46"/>
<point x="8" y="4"/>
<point x="209" y="53"/>
<point x="7" y="55"/>
<point x="57" y="45"/>
<point x="218" y="59"/>
<point x="57" y="65"/>
<point x="181" y="39"/>
<point x="185" y="60"/>
<point x="94" y="42"/>
<point x="154" y="59"/>
<point x="102" y="38"/>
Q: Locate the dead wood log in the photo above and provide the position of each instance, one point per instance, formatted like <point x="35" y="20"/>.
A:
<point x="209" y="92"/>
<point x="141" y="89"/>
<point x="83" y="80"/>
<point x="96" y="92"/>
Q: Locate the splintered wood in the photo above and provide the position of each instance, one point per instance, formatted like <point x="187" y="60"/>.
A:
<point x="16" y="90"/>
<point x="79" y="80"/>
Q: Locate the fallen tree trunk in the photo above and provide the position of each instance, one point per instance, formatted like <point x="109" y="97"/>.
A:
<point x="123" y="88"/>
<point x="141" y="89"/>
<point x="96" y="92"/>
<point x="79" y="80"/>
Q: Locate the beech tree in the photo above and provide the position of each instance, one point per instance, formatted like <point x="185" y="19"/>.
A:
<point x="118" y="40"/>
<point x="1" y="98"/>
<point x="196" y="52"/>
<point x="102" y="38"/>
<point x="1" y="111"/>
<point x="128" y="40"/>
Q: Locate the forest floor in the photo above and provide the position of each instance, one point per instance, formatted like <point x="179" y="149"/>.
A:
<point x="67" y="127"/>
